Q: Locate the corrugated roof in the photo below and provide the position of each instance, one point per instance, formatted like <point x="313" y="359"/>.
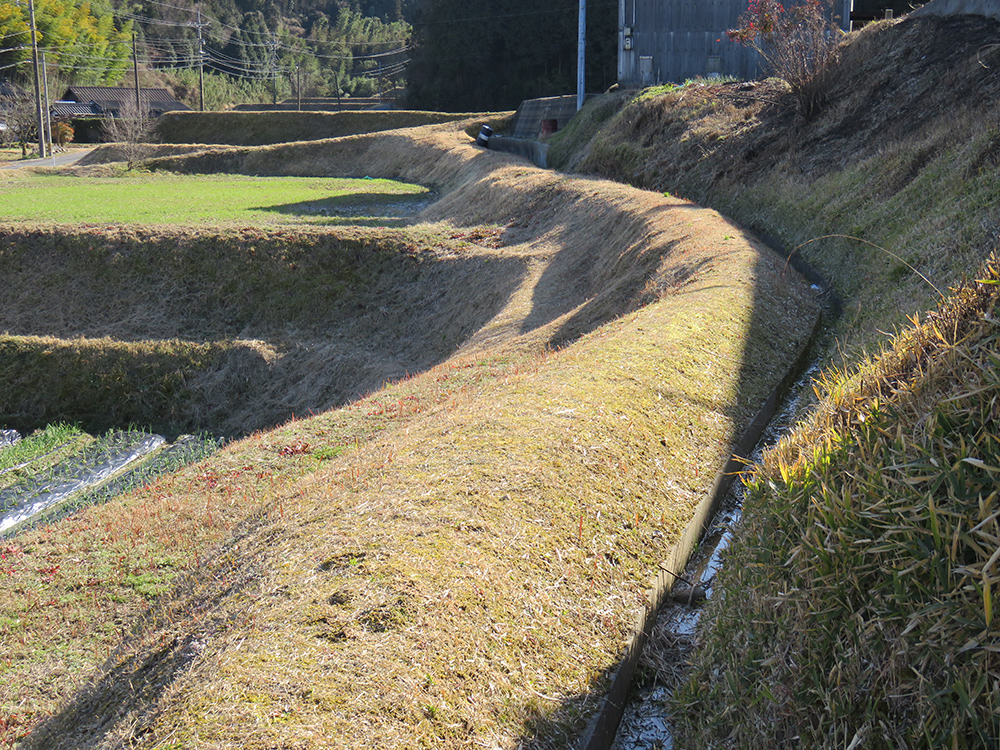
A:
<point x="116" y="94"/>
<point x="74" y="109"/>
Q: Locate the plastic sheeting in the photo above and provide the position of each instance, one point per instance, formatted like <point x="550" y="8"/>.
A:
<point x="95" y="465"/>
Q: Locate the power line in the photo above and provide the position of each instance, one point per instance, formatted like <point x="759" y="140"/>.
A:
<point x="162" y="52"/>
<point x="153" y="21"/>
<point x="168" y="5"/>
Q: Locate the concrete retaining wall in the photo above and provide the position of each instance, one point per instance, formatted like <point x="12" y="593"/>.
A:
<point x="535" y="152"/>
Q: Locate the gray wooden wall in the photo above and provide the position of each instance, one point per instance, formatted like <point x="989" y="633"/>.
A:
<point x="673" y="40"/>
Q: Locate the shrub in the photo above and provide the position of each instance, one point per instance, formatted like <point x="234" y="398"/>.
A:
<point x="799" y="44"/>
<point x="62" y="133"/>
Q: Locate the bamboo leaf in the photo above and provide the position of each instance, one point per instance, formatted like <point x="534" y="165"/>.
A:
<point x="980" y="465"/>
<point x="935" y="529"/>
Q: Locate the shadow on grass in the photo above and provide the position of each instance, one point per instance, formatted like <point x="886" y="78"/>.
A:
<point x="227" y="333"/>
<point x="116" y="710"/>
<point x="376" y="209"/>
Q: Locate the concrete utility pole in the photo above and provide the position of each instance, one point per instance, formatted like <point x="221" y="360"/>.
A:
<point x="38" y="91"/>
<point x="135" y="68"/>
<point x="581" y="56"/>
<point x="46" y="109"/>
<point x="274" y="70"/>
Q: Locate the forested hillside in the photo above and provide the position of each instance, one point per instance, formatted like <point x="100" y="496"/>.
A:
<point x="452" y="55"/>
<point x="313" y="47"/>
<point x="88" y="43"/>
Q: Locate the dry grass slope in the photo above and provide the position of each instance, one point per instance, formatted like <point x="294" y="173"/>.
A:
<point x="882" y="512"/>
<point x="187" y="330"/>
<point x="903" y="155"/>
<point x="454" y="558"/>
<point x="858" y="604"/>
<point x="265" y="128"/>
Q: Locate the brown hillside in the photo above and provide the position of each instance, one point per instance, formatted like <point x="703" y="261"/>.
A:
<point x="902" y="154"/>
<point x="856" y="605"/>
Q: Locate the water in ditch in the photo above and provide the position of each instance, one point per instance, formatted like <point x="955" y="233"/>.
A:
<point x="645" y="724"/>
<point x="114" y="463"/>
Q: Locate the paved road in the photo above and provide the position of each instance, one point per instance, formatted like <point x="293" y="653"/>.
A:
<point x="59" y="160"/>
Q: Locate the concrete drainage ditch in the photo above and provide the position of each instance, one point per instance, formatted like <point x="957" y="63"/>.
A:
<point x="112" y="464"/>
<point x="645" y="723"/>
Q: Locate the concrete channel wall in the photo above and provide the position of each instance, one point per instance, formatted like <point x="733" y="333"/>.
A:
<point x="533" y="151"/>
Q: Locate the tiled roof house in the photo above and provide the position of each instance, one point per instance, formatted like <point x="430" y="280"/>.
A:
<point x="111" y="100"/>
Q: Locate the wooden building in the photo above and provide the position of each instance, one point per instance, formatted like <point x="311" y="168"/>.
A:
<point x="110" y="101"/>
<point x="670" y="41"/>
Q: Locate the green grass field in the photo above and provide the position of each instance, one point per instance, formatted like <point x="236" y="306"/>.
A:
<point x="156" y="198"/>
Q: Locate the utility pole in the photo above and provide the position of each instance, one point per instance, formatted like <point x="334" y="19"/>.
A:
<point x="46" y="108"/>
<point x="581" y="55"/>
<point x="274" y="70"/>
<point x="135" y="68"/>
<point x="38" y="92"/>
<point x="298" y="85"/>
<point x="201" y="66"/>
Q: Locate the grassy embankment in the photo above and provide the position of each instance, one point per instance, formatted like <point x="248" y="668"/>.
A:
<point x="210" y="329"/>
<point x="267" y="128"/>
<point x="858" y="603"/>
<point x="454" y="556"/>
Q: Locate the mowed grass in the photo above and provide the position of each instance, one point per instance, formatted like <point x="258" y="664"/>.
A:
<point x="158" y="198"/>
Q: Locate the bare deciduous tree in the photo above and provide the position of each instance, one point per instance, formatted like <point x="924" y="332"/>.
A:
<point x="20" y="117"/>
<point x="132" y="130"/>
<point x="800" y="44"/>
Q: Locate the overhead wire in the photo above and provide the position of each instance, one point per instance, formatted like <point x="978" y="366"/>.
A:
<point x="500" y="16"/>
<point x="162" y="52"/>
